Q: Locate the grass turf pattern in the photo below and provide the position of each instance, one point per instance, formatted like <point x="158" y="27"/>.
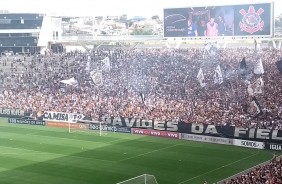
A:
<point x="36" y="154"/>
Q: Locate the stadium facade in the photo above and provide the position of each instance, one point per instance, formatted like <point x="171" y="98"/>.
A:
<point x="27" y="32"/>
<point x="30" y="33"/>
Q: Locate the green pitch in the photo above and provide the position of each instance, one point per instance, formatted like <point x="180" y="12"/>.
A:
<point x="35" y="154"/>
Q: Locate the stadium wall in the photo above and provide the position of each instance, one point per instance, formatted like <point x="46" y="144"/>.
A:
<point x="243" y="137"/>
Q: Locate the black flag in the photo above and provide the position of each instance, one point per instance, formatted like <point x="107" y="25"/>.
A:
<point x="243" y="67"/>
<point x="279" y="66"/>
<point x="243" y="64"/>
<point x="257" y="106"/>
<point x="142" y="97"/>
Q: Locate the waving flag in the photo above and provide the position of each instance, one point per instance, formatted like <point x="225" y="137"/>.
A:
<point x="243" y="67"/>
<point x="257" y="106"/>
<point x="258" y="86"/>
<point x="71" y="81"/>
<point x="259" y="67"/>
<point x="142" y="95"/>
<point x="106" y="64"/>
<point x="97" y="77"/>
<point x="212" y="48"/>
<point x="279" y="66"/>
<point x="87" y="68"/>
<point x="218" y="79"/>
<point x="201" y="77"/>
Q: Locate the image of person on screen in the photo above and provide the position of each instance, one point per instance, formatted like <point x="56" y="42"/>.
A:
<point x="221" y="26"/>
<point x="202" y="28"/>
<point x="191" y="29"/>
<point x="212" y="28"/>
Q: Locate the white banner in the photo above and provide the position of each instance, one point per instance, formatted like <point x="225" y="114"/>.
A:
<point x="208" y="139"/>
<point x="62" y="117"/>
<point x="249" y="144"/>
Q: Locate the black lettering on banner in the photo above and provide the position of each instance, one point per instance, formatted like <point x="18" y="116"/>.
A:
<point x="62" y="117"/>
<point x="249" y="144"/>
<point x="26" y="121"/>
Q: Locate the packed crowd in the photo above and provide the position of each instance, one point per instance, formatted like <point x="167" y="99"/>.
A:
<point x="267" y="174"/>
<point x="166" y="77"/>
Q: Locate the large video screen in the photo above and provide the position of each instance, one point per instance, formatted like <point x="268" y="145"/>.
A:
<point x="211" y="21"/>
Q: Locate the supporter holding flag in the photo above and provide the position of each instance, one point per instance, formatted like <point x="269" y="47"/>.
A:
<point x="218" y="79"/>
<point x="106" y="64"/>
<point x="201" y="78"/>
<point x="97" y="77"/>
<point x="256" y="105"/>
<point x="87" y="68"/>
<point x="258" y="69"/>
<point x="243" y="67"/>
<point x="142" y="95"/>
<point x="72" y="81"/>
<point x="256" y="87"/>
<point x="279" y="66"/>
<point x="250" y="90"/>
<point x="211" y="48"/>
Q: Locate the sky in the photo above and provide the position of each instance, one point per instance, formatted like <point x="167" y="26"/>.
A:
<point x="145" y="8"/>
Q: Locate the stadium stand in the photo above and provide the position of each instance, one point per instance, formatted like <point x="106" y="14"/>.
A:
<point x="19" y="32"/>
<point x="167" y="79"/>
<point x="270" y="173"/>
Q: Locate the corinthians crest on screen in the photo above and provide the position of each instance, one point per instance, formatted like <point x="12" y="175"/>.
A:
<point x="251" y="21"/>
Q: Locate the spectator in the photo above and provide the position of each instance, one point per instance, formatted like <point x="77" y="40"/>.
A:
<point x="266" y="174"/>
<point x="167" y="77"/>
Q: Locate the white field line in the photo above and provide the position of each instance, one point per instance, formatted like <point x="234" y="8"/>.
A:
<point x="142" y="154"/>
<point x="217" y="168"/>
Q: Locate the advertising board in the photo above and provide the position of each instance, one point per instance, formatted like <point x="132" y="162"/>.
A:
<point x="66" y="125"/>
<point x="208" y="139"/>
<point x="157" y="133"/>
<point x="249" y="144"/>
<point x="26" y="121"/>
<point x="110" y="128"/>
<point x="273" y="146"/>
<point x="62" y="117"/>
<point x="12" y="112"/>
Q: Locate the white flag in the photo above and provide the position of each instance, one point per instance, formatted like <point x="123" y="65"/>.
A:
<point x="218" y="79"/>
<point x="71" y="81"/>
<point x="211" y="48"/>
<point x="250" y="90"/>
<point x="97" y="78"/>
<point x="259" y="67"/>
<point x="201" y="77"/>
<point x="106" y="64"/>
<point x="87" y="66"/>
<point x="258" y="86"/>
